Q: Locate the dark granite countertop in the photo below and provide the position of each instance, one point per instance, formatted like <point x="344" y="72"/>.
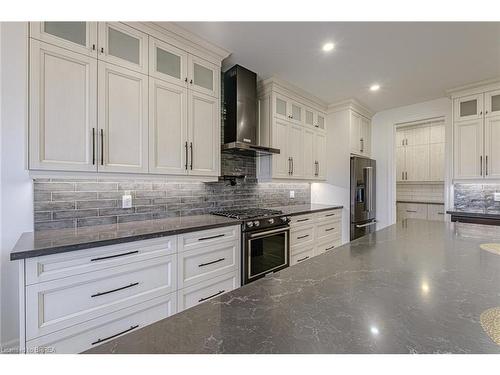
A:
<point x="300" y="209"/>
<point x="415" y="287"/>
<point x="475" y="212"/>
<point x="46" y="242"/>
<point x="420" y="202"/>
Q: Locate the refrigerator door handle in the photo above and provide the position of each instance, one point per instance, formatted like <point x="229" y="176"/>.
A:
<point x="367" y="224"/>
<point x="369" y="188"/>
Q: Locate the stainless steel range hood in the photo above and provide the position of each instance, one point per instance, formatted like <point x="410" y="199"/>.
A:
<point x="241" y="122"/>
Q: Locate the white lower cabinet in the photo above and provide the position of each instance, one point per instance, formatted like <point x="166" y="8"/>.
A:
<point x="77" y="300"/>
<point x="421" y="211"/>
<point x="89" y="334"/>
<point x="198" y="293"/>
<point x="314" y="234"/>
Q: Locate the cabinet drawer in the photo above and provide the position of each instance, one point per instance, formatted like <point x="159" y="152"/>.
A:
<point x="301" y="220"/>
<point x="52" y="267"/>
<point x="204" y="238"/>
<point x="87" y="335"/>
<point x="328" y="229"/>
<point x="58" y="304"/>
<point x="302" y="256"/>
<point x="301" y="235"/>
<point x="329" y="215"/>
<point x="195" y="294"/>
<point x="413" y="210"/>
<point x="435" y="212"/>
<point x="327" y="246"/>
<point x="198" y="265"/>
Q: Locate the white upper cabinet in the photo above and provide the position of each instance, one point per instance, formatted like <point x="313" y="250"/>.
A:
<point x="167" y="62"/>
<point x="124" y="46"/>
<point x="203" y="76"/>
<point x="281" y="161"/>
<point x="360" y="134"/>
<point x="468" y="107"/>
<point x="168" y="143"/>
<point x="309" y="158"/>
<point x="320" y="121"/>
<point x="108" y="97"/>
<point x="203" y="134"/>
<point x="492" y="103"/>
<point x="492" y="147"/>
<point x="365" y="127"/>
<point x="79" y="37"/>
<point x="63" y="109"/>
<point x="320" y="151"/>
<point x="280" y="107"/>
<point x="123" y="119"/>
<point x="309" y="117"/>
<point x="400" y="163"/>
<point x="295" y="150"/>
<point x="468" y="149"/>
<point x="296" y="113"/>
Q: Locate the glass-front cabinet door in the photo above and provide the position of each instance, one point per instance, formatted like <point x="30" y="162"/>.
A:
<point x="492" y="103"/>
<point x="124" y="46"/>
<point x="281" y="107"/>
<point x="76" y="36"/>
<point x="296" y="113"/>
<point x="167" y="62"/>
<point x="309" y="117"/>
<point x="469" y="107"/>
<point x="203" y="76"/>
<point x="320" y="121"/>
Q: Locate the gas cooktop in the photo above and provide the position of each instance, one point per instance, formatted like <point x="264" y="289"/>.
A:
<point x="248" y="213"/>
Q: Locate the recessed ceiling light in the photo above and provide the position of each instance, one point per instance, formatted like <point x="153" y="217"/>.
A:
<point x="328" y="46"/>
<point x="374" y="87"/>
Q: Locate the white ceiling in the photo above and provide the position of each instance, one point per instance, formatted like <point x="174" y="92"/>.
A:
<point x="412" y="62"/>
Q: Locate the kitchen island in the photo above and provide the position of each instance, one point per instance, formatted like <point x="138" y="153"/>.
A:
<point x="414" y="287"/>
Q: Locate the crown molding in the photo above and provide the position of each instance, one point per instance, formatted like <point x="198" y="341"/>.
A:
<point x="352" y="104"/>
<point x="287" y="88"/>
<point x="475" y="87"/>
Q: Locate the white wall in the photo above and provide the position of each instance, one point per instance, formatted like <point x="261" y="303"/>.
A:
<point x="16" y="199"/>
<point x="383" y="150"/>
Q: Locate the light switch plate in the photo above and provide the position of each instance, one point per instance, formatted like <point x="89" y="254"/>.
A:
<point x="127" y="200"/>
<point x="292" y="194"/>
<point x="496" y="197"/>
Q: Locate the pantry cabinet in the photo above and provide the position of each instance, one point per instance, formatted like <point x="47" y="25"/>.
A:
<point x="62" y="109"/>
<point x="108" y="97"/>
<point x="476" y="133"/>
<point x="292" y="124"/>
<point x="420" y="152"/>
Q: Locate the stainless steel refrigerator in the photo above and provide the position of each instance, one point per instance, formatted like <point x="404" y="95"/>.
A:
<point x="363" y="209"/>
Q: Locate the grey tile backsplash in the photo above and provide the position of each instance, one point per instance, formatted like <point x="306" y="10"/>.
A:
<point x="476" y="196"/>
<point x="70" y="203"/>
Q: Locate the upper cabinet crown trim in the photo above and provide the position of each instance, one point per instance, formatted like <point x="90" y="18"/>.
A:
<point x="353" y="105"/>
<point x="283" y="87"/>
<point x="474" y="88"/>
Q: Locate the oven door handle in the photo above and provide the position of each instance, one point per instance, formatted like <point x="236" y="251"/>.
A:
<point x="261" y="234"/>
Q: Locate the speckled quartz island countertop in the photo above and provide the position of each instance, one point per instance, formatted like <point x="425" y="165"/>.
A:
<point x="414" y="287"/>
<point x="46" y="242"/>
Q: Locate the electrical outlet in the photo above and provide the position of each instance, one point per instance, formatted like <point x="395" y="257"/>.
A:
<point x="292" y="194"/>
<point x="126" y="200"/>
<point x="496" y="197"/>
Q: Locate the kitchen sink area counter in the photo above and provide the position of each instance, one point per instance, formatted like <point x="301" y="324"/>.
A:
<point x="413" y="287"/>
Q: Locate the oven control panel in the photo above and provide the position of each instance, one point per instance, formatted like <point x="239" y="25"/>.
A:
<point x="265" y="223"/>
